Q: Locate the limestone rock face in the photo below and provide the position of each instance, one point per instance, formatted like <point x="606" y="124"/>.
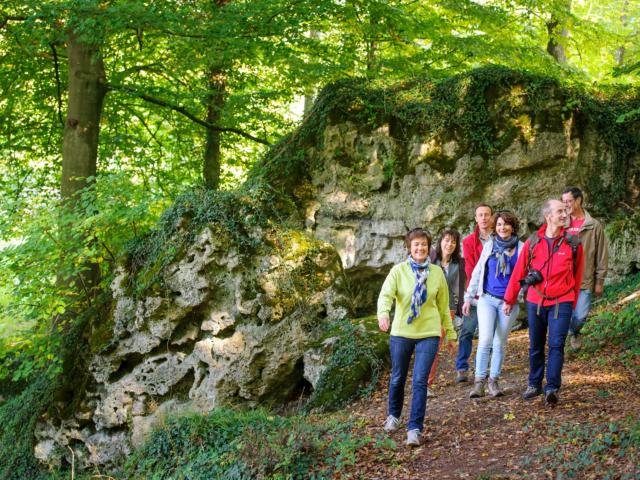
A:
<point x="224" y="332"/>
<point x="365" y="209"/>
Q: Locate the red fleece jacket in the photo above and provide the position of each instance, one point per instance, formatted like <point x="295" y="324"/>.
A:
<point x="558" y="278"/>
<point x="471" y="248"/>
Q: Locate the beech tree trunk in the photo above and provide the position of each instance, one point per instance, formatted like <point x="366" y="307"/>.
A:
<point x="82" y="127"/>
<point x="555" y="30"/>
<point x="212" y="152"/>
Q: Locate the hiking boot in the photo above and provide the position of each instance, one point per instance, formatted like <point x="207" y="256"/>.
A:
<point x="391" y="424"/>
<point x="575" y="341"/>
<point x="494" y="388"/>
<point x="531" y="392"/>
<point x="462" y="376"/>
<point x="413" y="438"/>
<point x="478" y="388"/>
<point x="551" y="398"/>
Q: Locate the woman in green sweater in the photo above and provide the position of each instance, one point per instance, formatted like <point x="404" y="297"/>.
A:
<point x="421" y="294"/>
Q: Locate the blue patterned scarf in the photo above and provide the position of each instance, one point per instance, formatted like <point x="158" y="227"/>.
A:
<point x="421" y="271"/>
<point x="500" y="248"/>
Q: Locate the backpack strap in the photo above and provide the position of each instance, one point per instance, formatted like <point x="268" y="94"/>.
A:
<point x="574" y="241"/>
<point x="533" y="241"/>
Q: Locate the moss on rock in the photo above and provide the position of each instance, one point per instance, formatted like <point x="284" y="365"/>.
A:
<point x="353" y="363"/>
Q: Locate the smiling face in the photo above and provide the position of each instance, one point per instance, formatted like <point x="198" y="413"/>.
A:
<point x="573" y="205"/>
<point x="419" y="249"/>
<point x="448" y="246"/>
<point x="557" y="214"/>
<point x="503" y="229"/>
<point x="483" y="218"/>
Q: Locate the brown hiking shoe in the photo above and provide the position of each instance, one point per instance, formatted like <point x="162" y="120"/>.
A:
<point x="478" y="388"/>
<point x="494" y="388"/>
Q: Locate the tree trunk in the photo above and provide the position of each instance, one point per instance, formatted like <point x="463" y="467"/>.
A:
<point x="556" y="30"/>
<point x="555" y="49"/>
<point x="215" y="102"/>
<point x="620" y="51"/>
<point x="86" y="95"/>
<point x="81" y="131"/>
<point x="212" y="154"/>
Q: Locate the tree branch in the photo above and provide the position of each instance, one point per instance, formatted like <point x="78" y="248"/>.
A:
<point x="10" y="18"/>
<point x="183" y="111"/>
<point x="58" y="87"/>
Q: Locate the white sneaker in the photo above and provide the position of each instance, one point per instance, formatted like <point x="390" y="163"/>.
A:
<point x="392" y="424"/>
<point x="413" y="438"/>
<point x="575" y="342"/>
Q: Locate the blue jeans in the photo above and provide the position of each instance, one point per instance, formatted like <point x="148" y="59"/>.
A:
<point x="465" y="339"/>
<point x="579" y="315"/>
<point x="401" y="350"/>
<point x="493" y="327"/>
<point x="558" y="328"/>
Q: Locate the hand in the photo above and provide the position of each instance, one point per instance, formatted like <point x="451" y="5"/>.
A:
<point x="383" y="322"/>
<point x="466" y="309"/>
<point x="452" y="347"/>
<point x="599" y="288"/>
<point x="506" y="308"/>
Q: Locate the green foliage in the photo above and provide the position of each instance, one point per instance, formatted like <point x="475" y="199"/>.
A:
<point x="610" y="450"/>
<point x="18" y="416"/>
<point x="24" y="400"/>
<point x="355" y="363"/>
<point x="228" y="444"/>
<point x="54" y="247"/>
<point x="615" y="323"/>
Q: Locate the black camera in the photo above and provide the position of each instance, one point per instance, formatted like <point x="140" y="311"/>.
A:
<point x="533" y="276"/>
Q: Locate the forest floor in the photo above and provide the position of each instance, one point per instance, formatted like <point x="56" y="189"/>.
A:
<point x="508" y="437"/>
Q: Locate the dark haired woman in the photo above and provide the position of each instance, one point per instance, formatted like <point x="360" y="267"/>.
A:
<point x="489" y="281"/>
<point x="446" y="255"/>
<point x="420" y="291"/>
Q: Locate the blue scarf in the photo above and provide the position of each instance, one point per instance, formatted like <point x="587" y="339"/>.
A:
<point x="500" y="248"/>
<point x="421" y="271"/>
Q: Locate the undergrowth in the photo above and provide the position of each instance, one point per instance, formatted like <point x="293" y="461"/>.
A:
<point x="603" y="451"/>
<point x="613" y="322"/>
<point x="22" y="403"/>
<point x="229" y="444"/>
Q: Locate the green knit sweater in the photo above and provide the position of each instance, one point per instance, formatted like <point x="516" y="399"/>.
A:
<point x="434" y="313"/>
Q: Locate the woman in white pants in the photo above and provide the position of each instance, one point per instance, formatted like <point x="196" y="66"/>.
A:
<point x="489" y="281"/>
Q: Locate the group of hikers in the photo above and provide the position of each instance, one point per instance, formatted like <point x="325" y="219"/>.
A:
<point x="478" y="283"/>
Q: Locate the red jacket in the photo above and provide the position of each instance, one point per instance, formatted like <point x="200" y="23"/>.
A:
<point x="471" y="248"/>
<point x="559" y="282"/>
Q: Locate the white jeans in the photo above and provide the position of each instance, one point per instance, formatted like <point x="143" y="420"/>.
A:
<point x="493" y="329"/>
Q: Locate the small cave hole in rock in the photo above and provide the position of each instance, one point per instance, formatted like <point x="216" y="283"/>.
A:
<point x="126" y="366"/>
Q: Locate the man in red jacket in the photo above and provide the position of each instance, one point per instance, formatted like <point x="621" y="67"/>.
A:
<point x="471" y="249"/>
<point x="551" y="296"/>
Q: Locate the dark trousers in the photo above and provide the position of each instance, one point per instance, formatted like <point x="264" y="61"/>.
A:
<point x="401" y="351"/>
<point x="558" y="326"/>
<point x="465" y="339"/>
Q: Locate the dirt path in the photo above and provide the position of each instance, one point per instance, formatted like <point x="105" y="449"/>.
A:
<point x="490" y="438"/>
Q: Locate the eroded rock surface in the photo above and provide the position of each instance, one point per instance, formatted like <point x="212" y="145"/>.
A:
<point x="224" y="332"/>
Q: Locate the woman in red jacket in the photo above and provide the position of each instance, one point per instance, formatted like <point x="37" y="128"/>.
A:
<point x="551" y="266"/>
